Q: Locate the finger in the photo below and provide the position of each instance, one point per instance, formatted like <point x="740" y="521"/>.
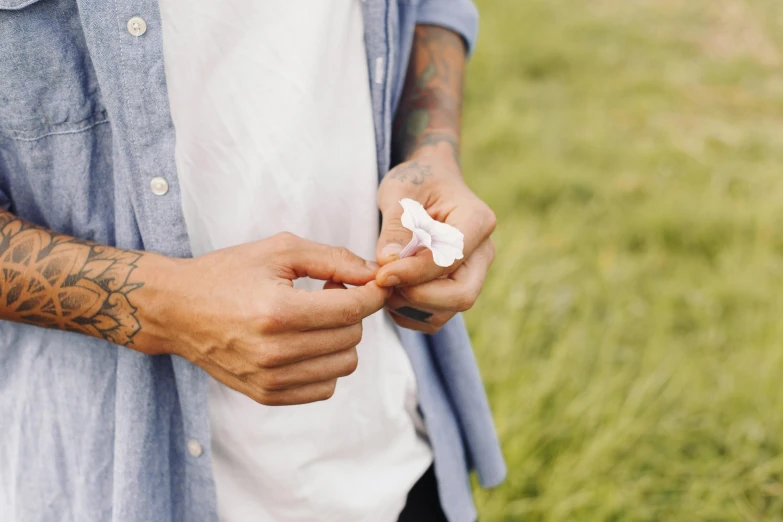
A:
<point x="319" y="391"/>
<point x="303" y="258"/>
<point x="413" y="321"/>
<point x="459" y="291"/>
<point x="299" y="346"/>
<point x="398" y="304"/>
<point x="303" y="310"/>
<point x="393" y="235"/>
<point x="414" y="270"/>
<point x="318" y="369"/>
<point x="476" y="222"/>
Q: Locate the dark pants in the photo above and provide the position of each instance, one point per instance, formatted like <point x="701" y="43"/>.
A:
<point x="423" y="503"/>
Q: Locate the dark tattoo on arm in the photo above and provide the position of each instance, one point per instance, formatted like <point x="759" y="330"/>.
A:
<point x="56" y="281"/>
<point x="431" y="105"/>
<point x="414" y="172"/>
<point x="414" y="313"/>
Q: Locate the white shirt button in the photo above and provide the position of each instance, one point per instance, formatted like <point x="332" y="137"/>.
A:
<point x="137" y="26"/>
<point x="194" y="448"/>
<point x="159" y="186"/>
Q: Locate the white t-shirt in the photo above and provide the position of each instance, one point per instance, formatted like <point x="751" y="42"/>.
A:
<point x="272" y="109"/>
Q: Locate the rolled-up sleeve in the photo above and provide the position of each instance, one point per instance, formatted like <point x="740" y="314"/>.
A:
<point x="461" y="16"/>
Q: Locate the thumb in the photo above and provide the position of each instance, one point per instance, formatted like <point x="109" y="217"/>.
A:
<point x="393" y="236"/>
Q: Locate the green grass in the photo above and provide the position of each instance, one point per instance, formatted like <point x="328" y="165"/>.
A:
<point x="631" y="331"/>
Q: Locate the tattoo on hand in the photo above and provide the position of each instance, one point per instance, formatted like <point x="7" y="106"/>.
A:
<point x="414" y="313"/>
<point x="414" y="172"/>
<point x="56" y="281"/>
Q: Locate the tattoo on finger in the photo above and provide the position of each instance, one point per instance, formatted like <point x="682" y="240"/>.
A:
<point x="414" y="313"/>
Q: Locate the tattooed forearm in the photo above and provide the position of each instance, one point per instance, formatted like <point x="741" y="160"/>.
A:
<point x="56" y="281"/>
<point x="431" y="104"/>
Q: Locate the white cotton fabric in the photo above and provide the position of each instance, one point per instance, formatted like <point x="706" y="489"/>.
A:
<point x="272" y="110"/>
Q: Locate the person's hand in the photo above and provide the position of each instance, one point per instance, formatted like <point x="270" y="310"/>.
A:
<point x="238" y="317"/>
<point x="425" y="295"/>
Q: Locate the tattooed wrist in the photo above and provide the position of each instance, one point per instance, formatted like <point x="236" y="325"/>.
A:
<point x="56" y="281"/>
<point x="441" y="145"/>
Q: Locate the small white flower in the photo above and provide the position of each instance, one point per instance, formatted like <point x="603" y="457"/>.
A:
<point x="445" y="241"/>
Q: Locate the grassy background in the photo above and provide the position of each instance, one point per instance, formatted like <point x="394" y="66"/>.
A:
<point x="630" y="333"/>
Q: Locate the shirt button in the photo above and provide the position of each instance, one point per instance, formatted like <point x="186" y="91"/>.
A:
<point x="137" y="26"/>
<point x="159" y="186"/>
<point x="194" y="448"/>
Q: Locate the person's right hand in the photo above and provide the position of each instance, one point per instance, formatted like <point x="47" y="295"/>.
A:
<point x="238" y="317"/>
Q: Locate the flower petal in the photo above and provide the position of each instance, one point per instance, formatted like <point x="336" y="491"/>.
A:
<point x="445" y="241"/>
<point x="444" y="254"/>
<point x="445" y="233"/>
<point x="414" y="215"/>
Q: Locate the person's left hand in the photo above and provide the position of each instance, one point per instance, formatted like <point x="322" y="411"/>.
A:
<point x="426" y="295"/>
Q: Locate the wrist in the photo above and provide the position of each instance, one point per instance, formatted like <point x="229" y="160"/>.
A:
<point x="156" y="301"/>
<point x="435" y="146"/>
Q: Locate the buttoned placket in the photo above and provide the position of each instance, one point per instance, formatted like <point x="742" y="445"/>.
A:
<point x="127" y="54"/>
<point x="160" y="217"/>
<point x="163" y="207"/>
<point x="379" y="64"/>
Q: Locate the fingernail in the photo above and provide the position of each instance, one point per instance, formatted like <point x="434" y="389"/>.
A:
<point x="392" y="249"/>
<point x="391" y="280"/>
<point x="372" y="266"/>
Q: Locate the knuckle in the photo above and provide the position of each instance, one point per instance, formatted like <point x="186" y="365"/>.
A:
<point x="464" y="301"/>
<point x="490" y="219"/>
<point x="351" y="362"/>
<point x="352" y="313"/>
<point x="270" y="358"/>
<point x="272" y="381"/>
<point x="341" y="256"/>
<point x="284" y="239"/>
<point x="271" y="319"/>
<point x="415" y="295"/>
<point x="491" y="251"/>
<point x="266" y="399"/>
<point x="328" y="390"/>
<point x="285" y="243"/>
<point x="355" y="335"/>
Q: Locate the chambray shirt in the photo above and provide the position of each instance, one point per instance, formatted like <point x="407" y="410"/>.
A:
<point x="90" y="431"/>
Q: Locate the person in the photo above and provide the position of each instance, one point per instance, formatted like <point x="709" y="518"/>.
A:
<point x="192" y="323"/>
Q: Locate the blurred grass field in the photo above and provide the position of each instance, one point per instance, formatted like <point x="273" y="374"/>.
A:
<point x="631" y="331"/>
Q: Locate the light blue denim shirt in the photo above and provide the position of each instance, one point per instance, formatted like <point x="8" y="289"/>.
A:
<point x="90" y="431"/>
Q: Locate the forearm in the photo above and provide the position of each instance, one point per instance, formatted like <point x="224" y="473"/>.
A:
<point x="429" y="117"/>
<point x="57" y="281"/>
